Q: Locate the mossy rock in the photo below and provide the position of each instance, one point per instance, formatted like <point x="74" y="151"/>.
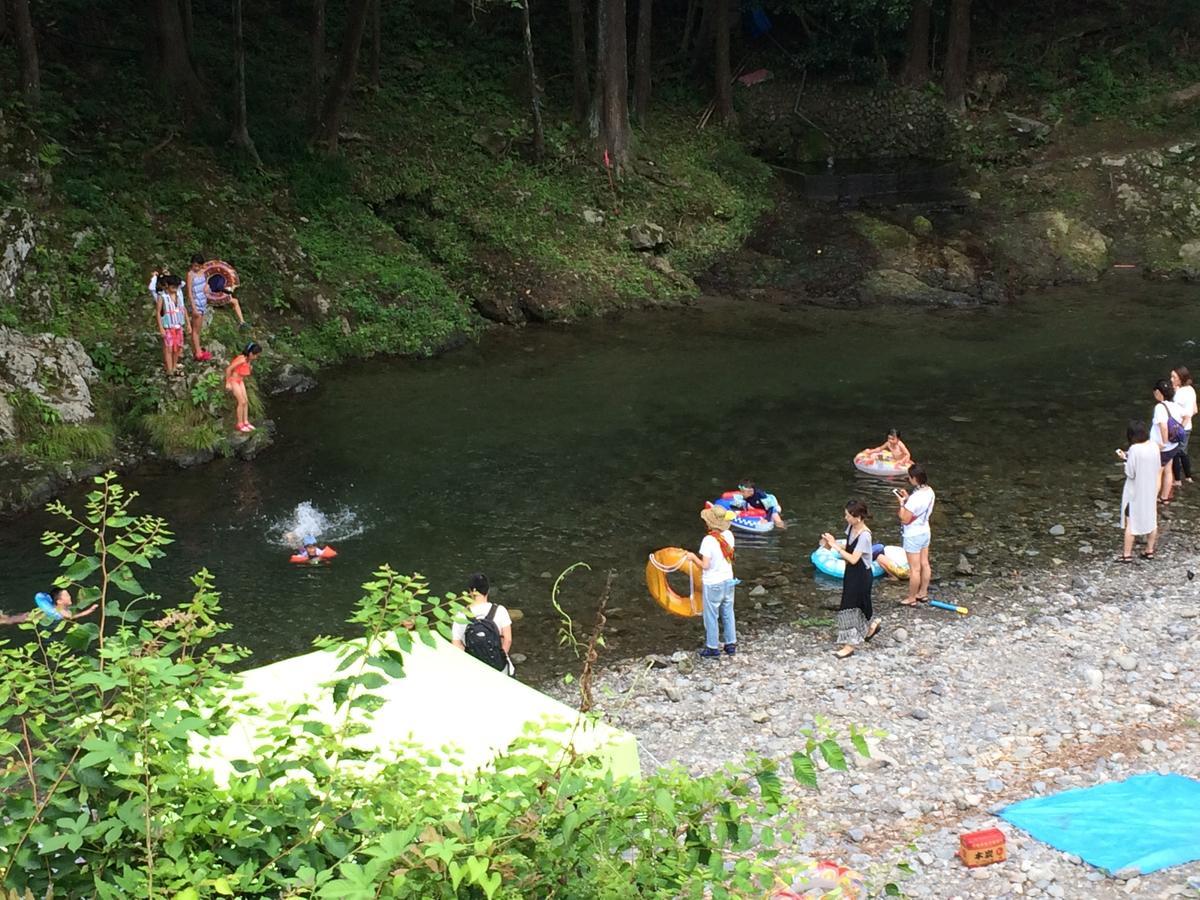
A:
<point x="893" y="286"/>
<point x="1050" y="247"/>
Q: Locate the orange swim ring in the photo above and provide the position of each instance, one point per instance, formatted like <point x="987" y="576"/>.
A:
<point x="220" y="267"/>
<point x="662" y="563"/>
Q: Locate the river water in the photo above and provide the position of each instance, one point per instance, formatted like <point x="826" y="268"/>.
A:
<point x="538" y="448"/>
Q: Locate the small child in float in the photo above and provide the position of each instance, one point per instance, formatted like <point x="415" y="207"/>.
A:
<point x="239" y="369"/>
<point x="311" y="553"/>
<point x="894" y="450"/>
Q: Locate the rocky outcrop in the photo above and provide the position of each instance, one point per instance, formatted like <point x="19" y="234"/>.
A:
<point x="56" y="370"/>
<point x="1050" y="247"/>
<point x="17" y="239"/>
<point x="912" y="269"/>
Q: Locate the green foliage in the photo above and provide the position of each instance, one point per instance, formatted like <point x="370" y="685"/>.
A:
<point x="178" y="428"/>
<point x="207" y="391"/>
<point x="106" y="798"/>
<point x="46" y="438"/>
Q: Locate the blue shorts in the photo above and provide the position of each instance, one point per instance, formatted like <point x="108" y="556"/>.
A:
<point x="915" y="543"/>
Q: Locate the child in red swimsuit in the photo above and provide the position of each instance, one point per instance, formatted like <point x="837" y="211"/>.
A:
<point x="236" y="374"/>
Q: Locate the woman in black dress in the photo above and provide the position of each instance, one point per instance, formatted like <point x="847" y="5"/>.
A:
<point x="855" y="619"/>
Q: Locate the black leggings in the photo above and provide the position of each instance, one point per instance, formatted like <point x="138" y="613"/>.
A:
<point x="1182" y="464"/>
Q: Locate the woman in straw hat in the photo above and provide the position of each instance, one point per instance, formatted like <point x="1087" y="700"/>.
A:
<point x="716" y="561"/>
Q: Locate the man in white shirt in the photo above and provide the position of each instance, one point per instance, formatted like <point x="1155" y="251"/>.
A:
<point x="488" y="634"/>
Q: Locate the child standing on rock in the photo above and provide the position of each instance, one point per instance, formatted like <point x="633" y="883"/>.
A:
<point x="239" y="369"/>
<point x="170" y="316"/>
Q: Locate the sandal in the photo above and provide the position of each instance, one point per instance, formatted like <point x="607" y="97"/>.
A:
<point x="922" y="599"/>
<point x="872" y="631"/>
<point x="1147" y="555"/>
<point x="909" y="603"/>
<point x="844" y="653"/>
<point x="1122" y="559"/>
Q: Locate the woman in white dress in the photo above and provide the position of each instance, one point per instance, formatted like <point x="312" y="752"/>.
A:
<point x="1139" y="511"/>
<point x="1185" y="399"/>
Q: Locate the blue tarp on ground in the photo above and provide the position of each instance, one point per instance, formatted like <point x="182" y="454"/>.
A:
<point x="1147" y="822"/>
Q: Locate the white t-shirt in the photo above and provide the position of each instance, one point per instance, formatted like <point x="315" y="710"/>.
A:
<point x="1160" y="418"/>
<point x="720" y="569"/>
<point x="1185" y="399"/>
<point x="920" y="504"/>
<point x="458" y="630"/>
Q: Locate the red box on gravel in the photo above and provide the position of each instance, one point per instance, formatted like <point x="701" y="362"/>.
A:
<point x="982" y="848"/>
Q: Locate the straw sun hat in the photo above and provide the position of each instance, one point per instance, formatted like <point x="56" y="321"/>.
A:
<point x="716" y="517"/>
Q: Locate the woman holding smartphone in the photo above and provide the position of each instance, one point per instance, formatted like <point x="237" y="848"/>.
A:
<point x="1139" y="512"/>
<point x="914" y="512"/>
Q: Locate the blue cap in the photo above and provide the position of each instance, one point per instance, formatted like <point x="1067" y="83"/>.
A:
<point x="309" y="540"/>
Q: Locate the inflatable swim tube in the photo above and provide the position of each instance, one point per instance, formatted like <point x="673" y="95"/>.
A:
<point x="894" y="561"/>
<point x="660" y="564"/>
<point x="219" y="267"/>
<point x="300" y="559"/>
<point x="751" y="519"/>
<point x="832" y="564"/>
<point x="880" y="466"/>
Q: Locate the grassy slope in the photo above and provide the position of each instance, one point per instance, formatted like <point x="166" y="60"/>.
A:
<point x="433" y="203"/>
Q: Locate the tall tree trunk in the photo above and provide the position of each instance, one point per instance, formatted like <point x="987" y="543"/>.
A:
<point x="579" y="62"/>
<point x="535" y="89"/>
<point x="316" y="61"/>
<point x="916" y="57"/>
<point x="689" y="22"/>
<point x="958" y="49"/>
<point x="31" y="75"/>
<point x="343" y="77"/>
<point x="376" y="41"/>
<point x="175" y="68"/>
<point x="724" y="75"/>
<point x="610" y="103"/>
<point x="641" y="64"/>
<point x="189" y="33"/>
<point x="241" y="130"/>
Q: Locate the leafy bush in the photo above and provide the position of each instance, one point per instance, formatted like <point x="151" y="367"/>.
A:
<point x="103" y="798"/>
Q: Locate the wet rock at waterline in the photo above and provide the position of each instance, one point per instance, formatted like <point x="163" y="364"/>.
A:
<point x="249" y="445"/>
<point x="894" y="286"/>
<point x="1051" y="248"/>
<point x="292" y="380"/>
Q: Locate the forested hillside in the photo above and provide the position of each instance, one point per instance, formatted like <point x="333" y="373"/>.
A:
<point x="388" y="176"/>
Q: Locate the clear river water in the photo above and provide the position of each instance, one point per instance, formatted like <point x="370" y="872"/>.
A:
<point x="599" y="442"/>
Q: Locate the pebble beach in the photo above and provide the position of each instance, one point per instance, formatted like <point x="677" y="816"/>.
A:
<point x="1056" y="679"/>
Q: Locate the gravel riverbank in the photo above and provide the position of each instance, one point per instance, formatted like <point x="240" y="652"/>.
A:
<point x="1055" y="680"/>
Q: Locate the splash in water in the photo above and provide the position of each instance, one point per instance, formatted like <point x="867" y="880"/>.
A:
<point x="306" y="519"/>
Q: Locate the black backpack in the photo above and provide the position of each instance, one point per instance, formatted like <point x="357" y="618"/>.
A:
<point x="482" y="641"/>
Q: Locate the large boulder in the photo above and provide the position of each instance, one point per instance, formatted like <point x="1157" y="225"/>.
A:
<point x="1050" y="247"/>
<point x="894" y="286"/>
<point x="1189" y="259"/>
<point x="57" y="370"/>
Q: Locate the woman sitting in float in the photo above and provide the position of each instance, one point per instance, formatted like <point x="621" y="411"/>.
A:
<point x="889" y="458"/>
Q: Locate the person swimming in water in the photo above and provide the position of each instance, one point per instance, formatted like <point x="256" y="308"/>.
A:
<point x="54" y="604"/>
<point x="893" y="449"/>
<point x="310" y="552"/>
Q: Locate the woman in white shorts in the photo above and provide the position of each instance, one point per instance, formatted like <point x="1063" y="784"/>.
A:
<point x="914" y="512"/>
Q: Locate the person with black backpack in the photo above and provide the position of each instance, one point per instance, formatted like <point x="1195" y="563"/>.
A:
<point x="487" y="634"/>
